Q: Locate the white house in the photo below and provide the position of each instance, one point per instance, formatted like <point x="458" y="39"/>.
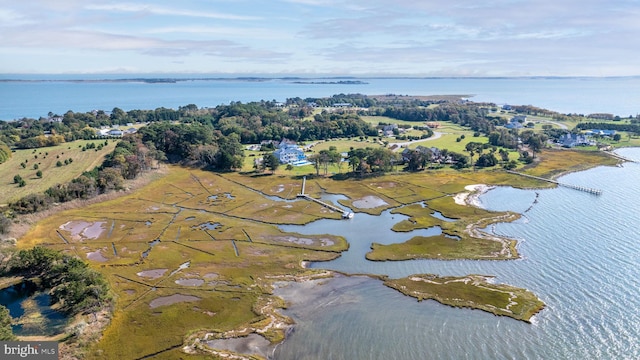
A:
<point x="289" y="152"/>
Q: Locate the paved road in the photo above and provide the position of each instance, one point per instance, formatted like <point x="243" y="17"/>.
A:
<point x="562" y="126"/>
<point x="436" y="135"/>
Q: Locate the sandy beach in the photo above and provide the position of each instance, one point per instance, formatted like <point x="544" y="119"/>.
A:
<point x="472" y="195"/>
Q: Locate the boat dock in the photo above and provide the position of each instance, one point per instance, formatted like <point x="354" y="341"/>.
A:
<point x="345" y="214"/>
<point x="570" y="186"/>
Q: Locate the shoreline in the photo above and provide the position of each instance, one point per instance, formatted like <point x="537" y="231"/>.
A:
<point x="472" y="196"/>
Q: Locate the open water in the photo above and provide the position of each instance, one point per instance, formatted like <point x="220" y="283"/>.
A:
<point x="58" y="94"/>
<point x="580" y="255"/>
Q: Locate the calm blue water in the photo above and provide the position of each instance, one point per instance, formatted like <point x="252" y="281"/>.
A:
<point x="581" y="256"/>
<point x="16" y="297"/>
<point x="620" y="96"/>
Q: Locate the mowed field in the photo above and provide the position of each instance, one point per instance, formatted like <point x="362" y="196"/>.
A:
<point x="46" y="160"/>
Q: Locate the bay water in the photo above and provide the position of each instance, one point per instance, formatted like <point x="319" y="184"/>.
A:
<point x="37" y="95"/>
<point x="580" y="255"/>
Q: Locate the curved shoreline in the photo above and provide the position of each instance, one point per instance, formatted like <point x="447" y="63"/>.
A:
<point x="520" y="304"/>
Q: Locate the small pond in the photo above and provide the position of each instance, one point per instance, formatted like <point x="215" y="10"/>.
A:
<point x="31" y="311"/>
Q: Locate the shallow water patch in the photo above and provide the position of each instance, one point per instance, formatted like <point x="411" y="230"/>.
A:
<point x="96" y="256"/>
<point x="207" y="226"/>
<point x="31" y="310"/>
<point x="369" y="202"/>
<point x="152" y="274"/>
<point x="189" y="282"/>
<point x="83" y="229"/>
<point x="172" y="299"/>
<point x="322" y="241"/>
<point x="438" y="215"/>
<point x="252" y="344"/>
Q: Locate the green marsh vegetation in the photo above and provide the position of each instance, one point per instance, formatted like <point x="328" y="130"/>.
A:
<point x="217" y="246"/>
<point x="471" y="291"/>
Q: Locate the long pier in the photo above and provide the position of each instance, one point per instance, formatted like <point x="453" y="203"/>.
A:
<point x="328" y="206"/>
<point x="570" y="186"/>
<point x="620" y="157"/>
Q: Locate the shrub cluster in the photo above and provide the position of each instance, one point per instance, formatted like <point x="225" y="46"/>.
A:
<point x="70" y="281"/>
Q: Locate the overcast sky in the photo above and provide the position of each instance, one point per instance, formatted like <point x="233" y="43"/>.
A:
<point x="322" y="37"/>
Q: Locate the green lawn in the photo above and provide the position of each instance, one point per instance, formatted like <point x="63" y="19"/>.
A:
<point x="46" y="159"/>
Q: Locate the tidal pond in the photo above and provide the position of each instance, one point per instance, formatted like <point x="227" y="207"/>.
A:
<point x="31" y="311"/>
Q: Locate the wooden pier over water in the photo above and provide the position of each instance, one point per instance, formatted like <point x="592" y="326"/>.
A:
<point x="575" y="187"/>
<point x="345" y="214"/>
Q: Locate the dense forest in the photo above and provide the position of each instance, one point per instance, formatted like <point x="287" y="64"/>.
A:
<point x="252" y="122"/>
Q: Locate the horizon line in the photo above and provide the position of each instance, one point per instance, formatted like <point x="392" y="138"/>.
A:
<point x="8" y="77"/>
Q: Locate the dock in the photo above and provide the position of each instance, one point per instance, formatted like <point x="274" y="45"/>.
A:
<point x="345" y="214"/>
<point x="570" y="186"/>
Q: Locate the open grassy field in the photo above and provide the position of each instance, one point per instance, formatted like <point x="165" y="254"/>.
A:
<point x="46" y="159"/>
<point x="553" y="162"/>
<point x="376" y="120"/>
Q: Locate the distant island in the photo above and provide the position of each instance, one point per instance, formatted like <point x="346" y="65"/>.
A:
<point x="341" y="82"/>
<point x="173" y="80"/>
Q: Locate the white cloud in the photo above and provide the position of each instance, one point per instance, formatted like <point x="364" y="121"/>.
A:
<point x="161" y="10"/>
<point x="494" y="37"/>
<point x="232" y="32"/>
<point x="10" y="18"/>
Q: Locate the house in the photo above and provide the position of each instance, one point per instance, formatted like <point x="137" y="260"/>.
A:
<point x="431" y="152"/>
<point x="600" y="132"/>
<point x="115" y="132"/>
<point x="388" y="130"/>
<point x="516" y="122"/>
<point x="289" y="152"/>
<point x="571" y="140"/>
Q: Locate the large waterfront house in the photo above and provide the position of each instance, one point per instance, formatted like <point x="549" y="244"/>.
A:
<point x="571" y="140"/>
<point x="288" y="152"/>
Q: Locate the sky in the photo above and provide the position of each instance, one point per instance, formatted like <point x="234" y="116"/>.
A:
<point x="322" y="37"/>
